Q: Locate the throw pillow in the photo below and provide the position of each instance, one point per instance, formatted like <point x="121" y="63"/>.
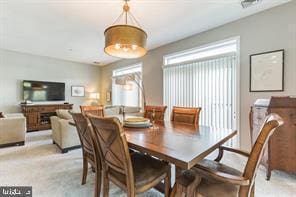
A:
<point x="132" y="110"/>
<point x="64" y="114"/>
<point x="114" y="110"/>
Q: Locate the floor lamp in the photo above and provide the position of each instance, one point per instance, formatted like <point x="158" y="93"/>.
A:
<point x="133" y="77"/>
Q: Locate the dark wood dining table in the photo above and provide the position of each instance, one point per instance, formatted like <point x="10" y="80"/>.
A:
<point x="180" y="144"/>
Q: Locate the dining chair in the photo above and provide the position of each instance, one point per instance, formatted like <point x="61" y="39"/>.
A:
<point x="88" y="153"/>
<point x="159" y="112"/>
<point x="218" y="179"/>
<point x="188" y="115"/>
<point x="134" y="173"/>
<point x="97" y="110"/>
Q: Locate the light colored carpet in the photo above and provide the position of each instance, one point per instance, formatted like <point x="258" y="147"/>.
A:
<point x="40" y="164"/>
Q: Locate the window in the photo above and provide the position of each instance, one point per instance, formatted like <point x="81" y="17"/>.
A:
<point x="202" y="52"/>
<point x="125" y="88"/>
<point x="204" y="77"/>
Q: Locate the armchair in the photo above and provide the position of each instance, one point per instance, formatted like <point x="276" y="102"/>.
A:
<point x="218" y="179"/>
<point x="64" y="135"/>
<point x="12" y="130"/>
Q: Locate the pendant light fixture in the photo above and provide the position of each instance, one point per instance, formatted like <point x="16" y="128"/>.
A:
<point x="124" y="40"/>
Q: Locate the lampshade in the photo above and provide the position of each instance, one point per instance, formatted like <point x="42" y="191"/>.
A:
<point x="125" y="41"/>
<point x="94" y="95"/>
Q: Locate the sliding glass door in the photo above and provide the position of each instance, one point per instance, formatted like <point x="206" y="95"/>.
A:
<point x="208" y="82"/>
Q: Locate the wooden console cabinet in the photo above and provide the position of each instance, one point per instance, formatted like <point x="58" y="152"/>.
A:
<point x="38" y="116"/>
<point x="281" y="151"/>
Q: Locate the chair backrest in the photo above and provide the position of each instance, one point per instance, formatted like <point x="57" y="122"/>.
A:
<point x="96" y="110"/>
<point x="111" y="143"/>
<point x="83" y="130"/>
<point x="188" y="115"/>
<point x="159" y="112"/>
<point x="271" y="123"/>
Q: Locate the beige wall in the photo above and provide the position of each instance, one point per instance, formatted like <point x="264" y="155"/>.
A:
<point x="269" y="30"/>
<point x="15" y="67"/>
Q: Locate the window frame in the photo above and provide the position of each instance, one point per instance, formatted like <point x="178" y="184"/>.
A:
<point x="124" y="68"/>
<point x="200" y="49"/>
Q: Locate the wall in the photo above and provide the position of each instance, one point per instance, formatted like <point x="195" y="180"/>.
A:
<point x="15" y="67"/>
<point x="269" y="30"/>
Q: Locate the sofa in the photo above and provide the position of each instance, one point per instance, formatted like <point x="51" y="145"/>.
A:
<point x="12" y="130"/>
<point x="116" y="111"/>
<point x="64" y="135"/>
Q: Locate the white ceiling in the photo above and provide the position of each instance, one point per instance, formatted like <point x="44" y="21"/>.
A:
<point x="73" y="29"/>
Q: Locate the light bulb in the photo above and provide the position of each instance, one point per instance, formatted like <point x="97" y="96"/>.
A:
<point x="125" y="49"/>
<point x="134" y="47"/>
<point x="117" y="46"/>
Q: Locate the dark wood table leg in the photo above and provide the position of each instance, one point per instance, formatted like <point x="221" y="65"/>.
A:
<point x="178" y="172"/>
<point x="183" y="187"/>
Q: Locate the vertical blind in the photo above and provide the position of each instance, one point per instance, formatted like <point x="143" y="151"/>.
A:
<point x="207" y="83"/>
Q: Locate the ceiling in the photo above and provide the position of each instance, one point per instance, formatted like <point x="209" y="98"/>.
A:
<point x="74" y="29"/>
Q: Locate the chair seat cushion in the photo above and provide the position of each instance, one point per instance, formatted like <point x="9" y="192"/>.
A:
<point x="210" y="187"/>
<point x="146" y="170"/>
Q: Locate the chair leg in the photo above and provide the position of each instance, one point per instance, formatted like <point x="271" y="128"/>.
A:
<point x="167" y="184"/>
<point x="98" y="182"/>
<point x="106" y="185"/>
<point x="174" y="191"/>
<point x="84" y="171"/>
<point x="268" y="174"/>
<point x="253" y="191"/>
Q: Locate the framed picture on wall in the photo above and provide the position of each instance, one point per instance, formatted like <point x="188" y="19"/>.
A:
<point x="267" y="71"/>
<point x="77" y="91"/>
<point x="108" y="96"/>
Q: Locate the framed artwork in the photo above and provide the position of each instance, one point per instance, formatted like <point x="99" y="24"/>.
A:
<point x="108" y="96"/>
<point x="77" y="91"/>
<point x="267" y="71"/>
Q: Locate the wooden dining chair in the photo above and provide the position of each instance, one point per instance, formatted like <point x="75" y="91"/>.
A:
<point x="88" y="153"/>
<point x="133" y="173"/>
<point x="97" y="110"/>
<point x="188" y="115"/>
<point x="218" y="179"/>
<point x="159" y="112"/>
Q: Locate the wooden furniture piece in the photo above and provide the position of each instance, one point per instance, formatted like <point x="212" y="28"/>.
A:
<point x="88" y="153"/>
<point x="134" y="173"/>
<point x="38" y="116"/>
<point x="97" y="110"/>
<point x="188" y="115"/>
<point x="181" y="144"/>
<point x="158" y="110"/>
<point x="280" y="154"/>
<point x="221" y="180"/>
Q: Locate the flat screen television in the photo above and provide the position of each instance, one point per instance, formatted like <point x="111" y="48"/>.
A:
<point x="43" y="91"/>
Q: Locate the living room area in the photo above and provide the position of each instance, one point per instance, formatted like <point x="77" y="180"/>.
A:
<point x="148" y="98"/>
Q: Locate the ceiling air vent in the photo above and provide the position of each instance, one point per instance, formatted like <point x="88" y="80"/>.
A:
<point x="249" y="3"/>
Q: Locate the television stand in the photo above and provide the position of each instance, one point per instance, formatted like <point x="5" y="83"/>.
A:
<point x="38" y="116"/>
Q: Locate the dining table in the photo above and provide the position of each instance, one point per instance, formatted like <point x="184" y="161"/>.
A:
<point x="183" y="145"/>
